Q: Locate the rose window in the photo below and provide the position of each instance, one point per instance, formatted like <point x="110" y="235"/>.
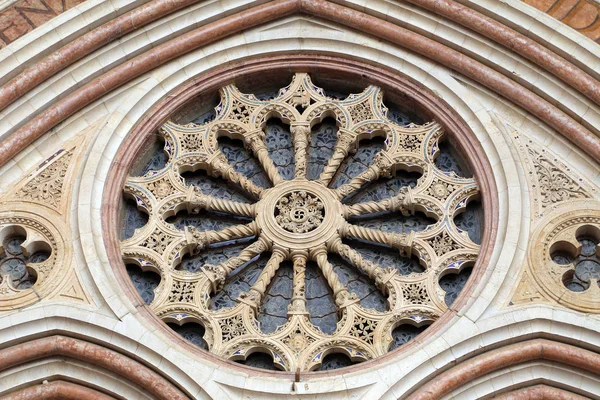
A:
<point x="301" y="230"/>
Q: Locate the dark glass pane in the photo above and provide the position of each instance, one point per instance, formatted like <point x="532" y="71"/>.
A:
<point x="157" y="158"/>
<point x="133" y="219"/>
<point x="238" y="282"/>
<point x="453" y="284"/>
<point x="322" y="142"/>
<point x="358" y="162"/>
<point x="319" y="300"/>
<point x="144" y="282"/>
<point x="273" y="313"/>
<point x="335" y="361"/>
<point x="471" y="220"/>
<point x="404" y="334"/>
<point x="205" y="118"/>
<point x="359" y="284"/>
<point x="281" y="148"/>
<point x="192" y="332"/>
<point x="259" y="360"/>
<point x="448" y="160"/>
<point x="243" y="161"/>
<point x="12" y="245"/>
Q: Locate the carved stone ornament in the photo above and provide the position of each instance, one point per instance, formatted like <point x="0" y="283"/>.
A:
<point x="564" y="257"/>
<point x="32" y="258"/>
<point x="46" y="184"/>
<point x="300" y="220"/>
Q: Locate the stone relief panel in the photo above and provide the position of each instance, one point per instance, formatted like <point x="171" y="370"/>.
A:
<point x="35" y="254"/>
<point x="561" y="265"/>
<point x="299" y="233"/>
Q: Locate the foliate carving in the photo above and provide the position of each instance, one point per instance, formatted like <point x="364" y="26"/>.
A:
<point x="442" y="244"/>
<point x="232" y="327"/>
<point x="298" y="340"/>
<point x="46" y="186"/>
<point x="441" y="190"/>
<point x="299" y="212"/>
<point x="301" y="221"/>
<point x="416" y="293"/>
<point x="411" y="143"/>
<point x="554" y="184"/>
<point x="364" y="329"/>
<point x="182" y="292"/>
<point x="360" y="112"/>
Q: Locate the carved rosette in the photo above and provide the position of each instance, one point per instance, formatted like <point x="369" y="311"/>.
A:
<point x="558" y="233"/>
<point x="300" y="220"/>
<point x="33" y="259"/>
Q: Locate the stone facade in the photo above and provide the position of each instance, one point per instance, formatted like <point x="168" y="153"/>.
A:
<point x="86" y="96"/>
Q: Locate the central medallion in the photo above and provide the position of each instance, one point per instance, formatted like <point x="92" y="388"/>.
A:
<point x="299" y="211"/>
<point x="299" y="214"/>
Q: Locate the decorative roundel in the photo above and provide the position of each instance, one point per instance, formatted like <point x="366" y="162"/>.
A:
<point x="300" y="230"/>
<point x="566" y="242"/>
<point x="299" y="211"/>
<point x="32" y="258"/>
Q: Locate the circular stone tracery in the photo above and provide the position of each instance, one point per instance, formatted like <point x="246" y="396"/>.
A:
<point x="301" y="221"/>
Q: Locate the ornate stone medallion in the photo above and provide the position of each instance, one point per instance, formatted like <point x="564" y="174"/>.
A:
<point x="300" y="221"/>
<point x="299" y="211"/>
<point x="564" y="255"/>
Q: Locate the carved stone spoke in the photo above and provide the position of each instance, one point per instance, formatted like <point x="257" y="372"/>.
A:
<point x="301" y="221"/>
<point x="401" y="202"/>
<point x="256" y="142"/>
<point x="381" y="168"/>
<point x="220" y="167"/>
<point x="218" y="274"/>
<point x="340" y="293"/>
<point x="300" y="136"/>
<point x="197" y="201"/>
<point x="372" y="270"/>
<point x="198" y="240"/>
<point x="346" y="139"/>
<point x="256" y="293"/>
<point x="400" y="241"/>
<point x="298" y="305"/>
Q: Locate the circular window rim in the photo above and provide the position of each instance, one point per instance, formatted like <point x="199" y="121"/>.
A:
<point x="217" y="77"/>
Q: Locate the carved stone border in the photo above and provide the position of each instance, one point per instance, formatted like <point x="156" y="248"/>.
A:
<point x="211" y="81"/>
<point x="39" y="124"/>
<point x="441" y="384"/>
<point x="97" y="355"/>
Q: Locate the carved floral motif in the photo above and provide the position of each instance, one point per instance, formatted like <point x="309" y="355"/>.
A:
<point x="46" y="186"/>
<point x="299" y="212"/>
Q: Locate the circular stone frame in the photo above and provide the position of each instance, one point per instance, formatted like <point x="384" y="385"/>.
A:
<point x="212" y="80"/>
<point x="562" y="225"/>
<point x="333" y="216"/>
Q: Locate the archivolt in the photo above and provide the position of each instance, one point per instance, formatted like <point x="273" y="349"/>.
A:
<point x="126" y="368"/>
<point x="440" y="385"/>
<point x="57" y="390"/>
<point x="564" y="122"/>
